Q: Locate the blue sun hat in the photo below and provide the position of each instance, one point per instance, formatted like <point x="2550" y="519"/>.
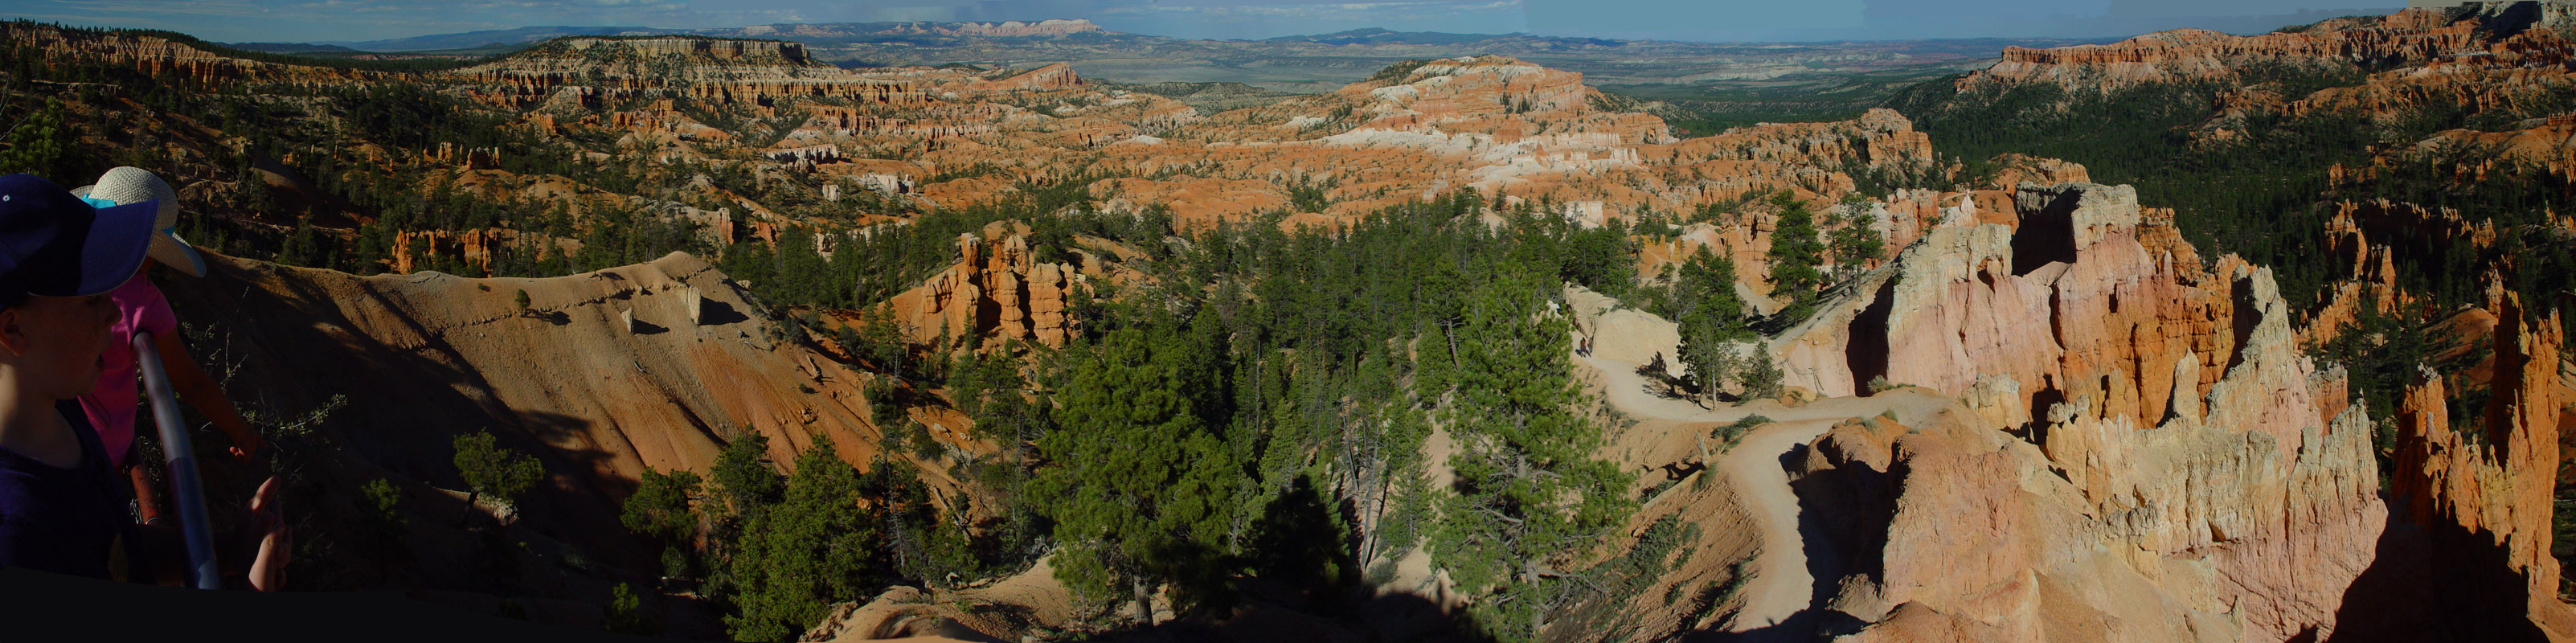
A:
<point x="130" y="185"/>
<point x="57" y="245"/>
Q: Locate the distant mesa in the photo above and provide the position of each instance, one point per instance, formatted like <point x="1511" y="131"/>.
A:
<point x="1009" y="29"/>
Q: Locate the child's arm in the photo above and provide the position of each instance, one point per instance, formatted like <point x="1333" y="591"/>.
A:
<point x="192" y="384"/>
<point x="257" y="552"/>
<point x="146" y="501"/>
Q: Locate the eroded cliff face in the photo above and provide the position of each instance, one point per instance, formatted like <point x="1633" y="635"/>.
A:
<point x="2122" y="298"/>
<point x="2498" y="68"/>
<point x="596" y="71"/>
<point x="2478" y="479"/>
<point x="2168" y="411"/>
<point x="998" y="290"/>
<point x="2406" y="38"/>
<point x="2159" y="462"/>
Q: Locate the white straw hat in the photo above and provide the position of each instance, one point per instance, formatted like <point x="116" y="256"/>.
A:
<point x="126" y="185"/>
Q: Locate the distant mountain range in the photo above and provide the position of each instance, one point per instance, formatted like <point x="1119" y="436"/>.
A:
<point x="1292" y="63"/>
<point x="868" y="31"/>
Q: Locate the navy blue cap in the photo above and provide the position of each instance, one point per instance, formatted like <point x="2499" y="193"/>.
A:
<point x="57" y="245"/>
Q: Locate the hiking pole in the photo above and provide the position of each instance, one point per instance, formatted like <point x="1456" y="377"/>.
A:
<point x="182" y="459"/>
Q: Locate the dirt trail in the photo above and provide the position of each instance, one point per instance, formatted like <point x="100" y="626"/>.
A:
<point x="1781" y="586"/>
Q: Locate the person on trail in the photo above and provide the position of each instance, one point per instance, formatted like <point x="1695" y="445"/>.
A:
<point x="62" y="509"/>
<point x="112" y="406"/>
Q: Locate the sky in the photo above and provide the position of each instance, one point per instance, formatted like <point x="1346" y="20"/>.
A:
<point x="1706" y="20"/>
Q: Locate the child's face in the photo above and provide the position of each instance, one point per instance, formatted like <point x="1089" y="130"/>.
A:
<point x="61" y="341"/>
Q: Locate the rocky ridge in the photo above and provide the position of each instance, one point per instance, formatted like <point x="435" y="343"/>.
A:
<point x="2479" y="33"/>
<point x="594" y="71"/>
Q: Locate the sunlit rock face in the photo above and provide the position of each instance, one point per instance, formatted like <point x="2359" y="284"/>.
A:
<point x="2145" y="453"/>
<point x="997" y="290"/>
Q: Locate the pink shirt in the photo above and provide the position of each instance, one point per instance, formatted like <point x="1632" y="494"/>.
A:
<point x="112" y="406"/>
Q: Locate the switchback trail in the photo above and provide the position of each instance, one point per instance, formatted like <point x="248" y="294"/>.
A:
<point x="1782" y="586"/>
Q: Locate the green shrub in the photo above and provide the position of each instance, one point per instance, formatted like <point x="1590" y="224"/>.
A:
<point x="1733" y="434"/>
<point x="626" y="613"/>
<point x="660" y="506"/>
<point x="492" y="470"/>
<point x="383" y="504"/>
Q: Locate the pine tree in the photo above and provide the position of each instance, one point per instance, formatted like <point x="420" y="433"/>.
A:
<point x="1529" y="493"/>
<point x="1705" y="288"/>
<point x="1796" y="253"/>
<point x="1855" y="243"/>
<point x="1139" y="487"/>
<point x="815" y="547"/>
<point x="659" y="511"/>
<point x="742" y="475"/>
<point x="882" y="341"/>
<point x="660" y="506"/>
<point x="43" y="143"/>
<point x="1706" y="353"/>
<point x="1711" y="317"/>
<point x="1761" y="376"/>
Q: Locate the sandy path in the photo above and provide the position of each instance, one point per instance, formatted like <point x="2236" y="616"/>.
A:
<point x="1782" y="586"/>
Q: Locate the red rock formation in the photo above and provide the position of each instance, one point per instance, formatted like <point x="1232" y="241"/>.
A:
<point x="2408" y="37"/>
<point x="2493" y="477"/>
<point x="1207" y="201"/>
<point x="2368" y="239"/>
<point x="2159" y="464"/>
<point x="1003" y="294"/>
<point x="1958" y="309"/>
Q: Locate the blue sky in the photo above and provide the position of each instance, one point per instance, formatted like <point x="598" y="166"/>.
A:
<point x="352" y="20"/>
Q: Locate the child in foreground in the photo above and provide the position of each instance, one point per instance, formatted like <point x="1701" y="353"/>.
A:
<point x="62" y="509"/>
<point x="140" y="308"/>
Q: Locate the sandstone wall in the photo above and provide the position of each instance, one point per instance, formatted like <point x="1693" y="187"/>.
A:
<point x="2158" y="463"/>
<point x="1960" y="305"/>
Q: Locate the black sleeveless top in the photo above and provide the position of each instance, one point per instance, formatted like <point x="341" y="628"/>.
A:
<point x="67" y="520"/>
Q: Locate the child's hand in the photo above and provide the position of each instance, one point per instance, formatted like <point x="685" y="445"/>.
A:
<point x="247" y="445"/>
<point x="267" y="524"/>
